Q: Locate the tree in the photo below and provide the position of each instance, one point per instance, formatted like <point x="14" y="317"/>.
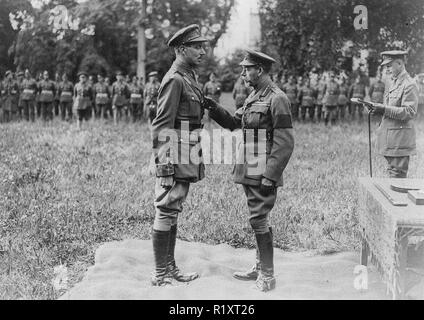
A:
<point x="312" y="33"/>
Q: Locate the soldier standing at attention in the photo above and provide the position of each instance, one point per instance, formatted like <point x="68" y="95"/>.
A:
<point x="180" y="112"/>
<point x="240" y="93"/>
<point x="377" y="90"/>
<point x="420" y="81"/>
<point x="119" y="92"/>
<point x="357" y="90"/>
<point x="343" y="99"/>
<point x="101" y="96"/>
<point x="396" y="136"/>
<point x="306" y="98"/>
<point x="320" y="88"/>
<point x="56" y="103"/>
<point x="266" y="123"/>
<point x="20" y="79"/>
<point x="212" y="88"/>
<point x="11" y="96"/>
<point x="37" y="94"/>
<point x="65" y="92"/>
<point x="109" y="111"/>
<point x="151" y="96"/>
<point x="330" y="100"/>
<point x="136" y="98"/>
<point x="82" y="98"/>
<point x="290" y="89"/>
<point x="47" y="91"/>
<point x="28" y="91"/>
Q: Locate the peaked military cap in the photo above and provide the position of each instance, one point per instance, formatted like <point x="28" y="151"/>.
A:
<point x="82" y="73"/>
<point x="20" y="74"/>
<point x="253" y="58"/>
<point x="389" y="56"/>
<point x="7" y="73"/>
<point x="153" y="73"/>
<point x="186" y="35"/>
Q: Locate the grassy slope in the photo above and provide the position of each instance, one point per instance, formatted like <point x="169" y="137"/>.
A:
<point x="65" y="192"/>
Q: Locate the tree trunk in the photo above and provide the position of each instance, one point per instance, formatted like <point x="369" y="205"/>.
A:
<point x="141" y="43"/>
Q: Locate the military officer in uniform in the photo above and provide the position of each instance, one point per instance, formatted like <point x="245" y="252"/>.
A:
<point x="19" y="81"/>
<point x="11" y="96"/>
<point x="212" y="88"/>
<point x="331" y="98"/>
<point x="357" y="90"/>
<point x="56" y="103"/>
<point x="65" y="93"/>
<point x="343" y="100"/>
<point x="306" y="98"/>
<point x="82" y="98"/>
<point x="101" y="96"/>
<point x="28" y="91"/>
<point x="290" y="89"/>
<point x="396" y="135"/>
<point x="120" y="93"/>
<point x="240" y="93"/>
<point x="47" y="91"/>
<point x="320" y="88"/>
<point x="376" y="91"/>
<point x="180" y="112"/>
<point x="151" y="96"/>
<point x="136" y="98"/>
<point x="268" y="144"/>
<point x="109" y="111"/>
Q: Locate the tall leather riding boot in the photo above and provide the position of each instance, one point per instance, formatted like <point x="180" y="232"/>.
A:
<point x="160" y="241"/>
<point x="266" y="280"/>
<point x="171" y="268"/>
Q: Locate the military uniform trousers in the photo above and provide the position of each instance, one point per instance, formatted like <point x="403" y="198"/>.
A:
<point x="259" y="207"/>
<point x="29" y="109"/>
<point x="356" y="106"/>
<point x="397" y="167"/>
<point x="330" y="113"/>
<point x="66" y="110"/>
<point x="169" y="203"/>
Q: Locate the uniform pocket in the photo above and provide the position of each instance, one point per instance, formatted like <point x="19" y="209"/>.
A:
<point x="254" y="114"/>
<point x="400" y="138"/>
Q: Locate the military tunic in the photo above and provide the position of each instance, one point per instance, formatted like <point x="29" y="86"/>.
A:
<point x="65" y="93"/>
<point x="10" y="96"/>
<point x="101" y="93"/>
<point x="330" y="100"/>
<point x="268" y="143"/>
<point x="377" y="92"/>
<point x="28" y="92"/>
<point x="120" y="93"/>
<point x="179" y="114"/>
<point x="136" y="100"/>
<point x="357" y="90"/>
<point x="151" y="92"/>
<point x="306" y="97"/>
<point x="343" y="100"/>
<point x="291" y="92"/>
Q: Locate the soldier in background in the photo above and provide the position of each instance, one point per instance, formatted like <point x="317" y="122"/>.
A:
<point x="37" y="95"/>
<point x="266" y="121"/>
<point x="396" y="135"/>
<point x="320" y="89"/>
<point x="20" y="78"/>
<point x="306" y="98"/>
<point x="120" y="93"/>
<point x="11" y="96"/>
<point x="136" y="98"/>
<point x="109" y="111"/>
<point x="28" y="92"/>
<point x="101" y="96"/>
<point x="65" y="93"/>
<point x="376" y="91"/>
<point x="240" y="93"/>
<point x="47" y="91"/>
<point x="56" y="103"/>
<point x="343" y="99"/>
<point x="82" y="98"/>
<point x="357" y="90"/>
<point x="330" y="100"/>
<point x="420" y="82"/>
<point x="290" y="89"/>
<point x="150" y="96"/>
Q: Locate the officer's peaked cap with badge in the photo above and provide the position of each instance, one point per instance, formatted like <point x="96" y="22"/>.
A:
<point x="254" y="58"/>
<point x="189" y="34"/>
<point x="389" y="56"/>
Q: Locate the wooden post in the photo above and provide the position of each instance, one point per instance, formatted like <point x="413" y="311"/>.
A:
<point x="141" y="43"/>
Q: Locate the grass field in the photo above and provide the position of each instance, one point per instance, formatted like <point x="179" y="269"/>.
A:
<point x="64" y="192"/>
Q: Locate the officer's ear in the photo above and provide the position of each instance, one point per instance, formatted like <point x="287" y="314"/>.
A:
<point x="260" y="70"/>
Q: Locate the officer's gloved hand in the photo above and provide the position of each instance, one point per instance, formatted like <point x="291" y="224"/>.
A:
<point x="378" y="109"/>
<point x="267" y="187"/>
<point x="210" y="103"/>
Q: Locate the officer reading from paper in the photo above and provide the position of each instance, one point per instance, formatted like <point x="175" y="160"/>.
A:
<point x="396" y="136"/>
<point x="179" y="111"/>
<point x="268" y="144"/>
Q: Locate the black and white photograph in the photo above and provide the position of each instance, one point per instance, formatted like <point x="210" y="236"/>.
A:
<point x="211" y="155"/>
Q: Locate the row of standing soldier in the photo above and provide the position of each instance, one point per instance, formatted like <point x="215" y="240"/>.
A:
<point x="26" y="98"/>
